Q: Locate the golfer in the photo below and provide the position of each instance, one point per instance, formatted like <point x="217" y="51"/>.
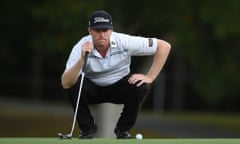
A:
<point x="108" y="78"/>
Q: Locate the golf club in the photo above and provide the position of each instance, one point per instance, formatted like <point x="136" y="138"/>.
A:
<point x="69" y="136"/>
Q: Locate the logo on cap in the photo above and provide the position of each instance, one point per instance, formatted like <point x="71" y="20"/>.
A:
<point x="101" y="19"/>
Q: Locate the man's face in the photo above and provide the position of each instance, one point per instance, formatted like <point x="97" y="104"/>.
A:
<point x="101" y="38"/>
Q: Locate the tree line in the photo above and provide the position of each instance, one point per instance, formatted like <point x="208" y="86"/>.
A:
<point x="202" y="71"/>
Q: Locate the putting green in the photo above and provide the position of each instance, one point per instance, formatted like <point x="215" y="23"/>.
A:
<point x="115" y="141"/>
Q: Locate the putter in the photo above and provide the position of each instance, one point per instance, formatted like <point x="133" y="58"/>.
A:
<point x="69" y="136"/>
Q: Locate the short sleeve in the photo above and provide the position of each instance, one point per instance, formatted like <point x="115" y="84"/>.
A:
<point x="76" y="52"/>
<point x="137" y="45"/>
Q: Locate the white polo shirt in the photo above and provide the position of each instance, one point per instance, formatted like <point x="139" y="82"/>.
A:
<point x="116" y="64"/>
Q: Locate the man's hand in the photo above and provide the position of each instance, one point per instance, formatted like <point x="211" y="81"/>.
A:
<point x="139" y="79"/>
<point x="87" y="48"/>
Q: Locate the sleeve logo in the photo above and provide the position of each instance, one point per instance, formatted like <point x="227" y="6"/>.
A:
<point x="150" y="42"/>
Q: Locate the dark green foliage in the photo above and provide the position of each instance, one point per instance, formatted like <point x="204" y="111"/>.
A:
<point x="204" y="36"/>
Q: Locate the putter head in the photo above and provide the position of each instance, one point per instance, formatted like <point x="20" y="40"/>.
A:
<point x="62" y="136"/>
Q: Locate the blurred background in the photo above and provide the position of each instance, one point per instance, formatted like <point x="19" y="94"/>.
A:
<point x="196" y="95"/>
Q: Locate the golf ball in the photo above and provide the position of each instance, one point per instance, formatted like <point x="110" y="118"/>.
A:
<point x="139" y="136"/>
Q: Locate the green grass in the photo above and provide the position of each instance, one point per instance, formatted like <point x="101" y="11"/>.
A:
<point x="115" y="141"/>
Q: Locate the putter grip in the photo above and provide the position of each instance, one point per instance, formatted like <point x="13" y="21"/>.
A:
<point x="85" y="63"/>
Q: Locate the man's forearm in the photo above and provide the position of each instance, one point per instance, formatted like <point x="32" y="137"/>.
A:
<point x="70" y="76"/>
<point x="159" y="59"/>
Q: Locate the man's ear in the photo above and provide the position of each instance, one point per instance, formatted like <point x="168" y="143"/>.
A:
<point x="89" y="30"/>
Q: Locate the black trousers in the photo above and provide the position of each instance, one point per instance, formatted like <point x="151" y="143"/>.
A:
<point x="121" y="92"/>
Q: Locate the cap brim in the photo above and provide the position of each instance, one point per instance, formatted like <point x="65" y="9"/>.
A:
<point x="101" y="27"/>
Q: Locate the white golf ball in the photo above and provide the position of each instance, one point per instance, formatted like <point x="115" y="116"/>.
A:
<point x="139" y="136"/>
